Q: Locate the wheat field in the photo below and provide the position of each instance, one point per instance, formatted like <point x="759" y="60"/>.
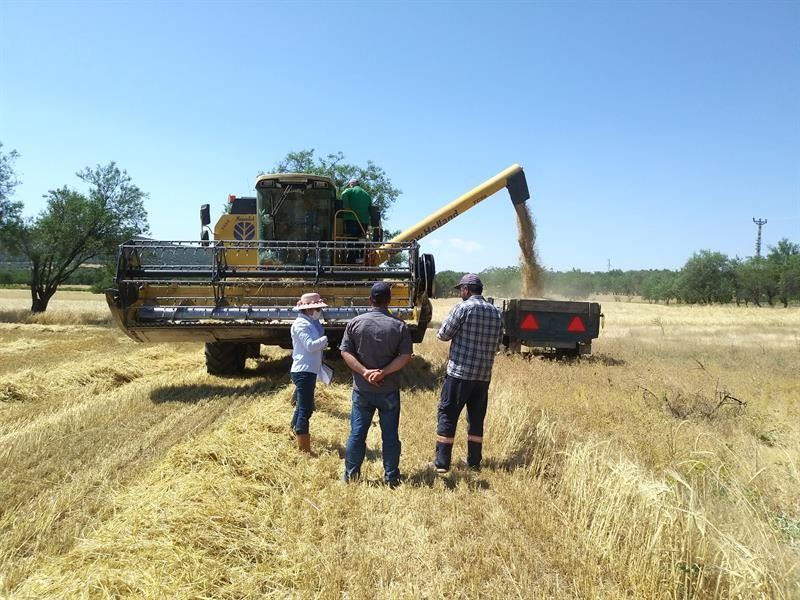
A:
<point x="666" y="465"/>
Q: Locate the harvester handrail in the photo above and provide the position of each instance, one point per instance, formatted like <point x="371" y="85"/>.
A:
<point x="199" y="263"/>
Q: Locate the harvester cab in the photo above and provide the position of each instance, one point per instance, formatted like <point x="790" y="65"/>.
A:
<point x="238" y="291"/>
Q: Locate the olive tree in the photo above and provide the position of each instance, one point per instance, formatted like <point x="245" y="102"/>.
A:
<point x="783" y="260"/>
<point x="9" y="209"/>
<point x="707" y="277"/>
<point x="77" y="227"/>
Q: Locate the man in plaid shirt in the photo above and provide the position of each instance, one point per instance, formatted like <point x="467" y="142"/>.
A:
<point x="475" y="328"/>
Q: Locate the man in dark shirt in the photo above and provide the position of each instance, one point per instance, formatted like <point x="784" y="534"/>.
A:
<point x="376" y="345"/>
<point x="475" y="328"/>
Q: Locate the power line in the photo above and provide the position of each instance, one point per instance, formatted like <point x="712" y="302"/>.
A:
<point x="760" y="223"/>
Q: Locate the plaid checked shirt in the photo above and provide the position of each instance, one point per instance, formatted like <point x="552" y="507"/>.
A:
<point x="475" y="328"/>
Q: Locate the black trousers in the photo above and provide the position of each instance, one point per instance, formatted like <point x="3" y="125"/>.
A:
<point x="353" y="229"/>
<point x="457" y="394"/>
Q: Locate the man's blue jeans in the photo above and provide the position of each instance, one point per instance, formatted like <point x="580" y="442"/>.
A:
<point x="364" y="406"/>
<point x="304" y="400"/>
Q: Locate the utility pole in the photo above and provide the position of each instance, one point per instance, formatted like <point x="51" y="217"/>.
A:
<point x="608" y="264"/>
<point x="760" y="223"/>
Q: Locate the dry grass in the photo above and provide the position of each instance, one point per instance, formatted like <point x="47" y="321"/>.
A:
<point x="128" y="471"/>
<point x="66" y="308"/>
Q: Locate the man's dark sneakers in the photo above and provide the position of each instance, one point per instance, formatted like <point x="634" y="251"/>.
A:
<point x="440" y="470"/>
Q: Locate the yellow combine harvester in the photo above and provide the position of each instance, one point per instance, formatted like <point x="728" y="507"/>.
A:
<point x="238" y="291"/>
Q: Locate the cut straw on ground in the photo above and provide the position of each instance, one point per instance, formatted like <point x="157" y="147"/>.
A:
<point x="132" y="473"/>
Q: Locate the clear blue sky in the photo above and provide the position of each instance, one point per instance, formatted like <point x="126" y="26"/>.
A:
<point x="647" y="130"/>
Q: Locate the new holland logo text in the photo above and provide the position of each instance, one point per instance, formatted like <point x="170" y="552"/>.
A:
<point x="439" y="222"/>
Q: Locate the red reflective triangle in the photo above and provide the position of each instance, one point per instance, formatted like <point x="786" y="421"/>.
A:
<point x="576" y="325"/>
<point x="529" y="322"/>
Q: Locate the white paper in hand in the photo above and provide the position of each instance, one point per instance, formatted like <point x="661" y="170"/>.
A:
<point x="326" y="374"/>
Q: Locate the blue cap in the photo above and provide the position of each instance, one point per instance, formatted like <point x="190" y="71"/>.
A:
<point x="470" y="279"/>
<point x="380" y="290"/>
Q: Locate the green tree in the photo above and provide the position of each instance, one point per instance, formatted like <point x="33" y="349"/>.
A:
<point x="75" y="228"/>
<point x="446" y="282"/>
<point x="781" y="262"/>
<point x="618" y="282"/>
<point x="9" y="209"/>
<point x="789" y="282"/>
<point x="753" y="280"/>
<point x="504" y="282"/>
<point x="575" y="284"/>
<point x="707" y="277"/>
<point x="666" y="287"/>
<point x="371" y="177"/>
<point x="649" y="288"/>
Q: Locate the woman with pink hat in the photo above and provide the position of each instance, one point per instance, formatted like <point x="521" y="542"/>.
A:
<point x="308" y="342"/>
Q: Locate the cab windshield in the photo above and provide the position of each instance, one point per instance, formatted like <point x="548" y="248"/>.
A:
<point x="295" y="211"/>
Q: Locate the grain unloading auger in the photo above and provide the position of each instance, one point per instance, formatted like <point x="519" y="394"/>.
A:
<point x="237" y="291"/>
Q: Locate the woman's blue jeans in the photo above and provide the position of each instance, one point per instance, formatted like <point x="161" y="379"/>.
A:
<point x="364" y="406"/>
<point x="304" y="400"/>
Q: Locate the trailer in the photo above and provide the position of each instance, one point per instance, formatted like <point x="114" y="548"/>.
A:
<point x="560" y="327"/>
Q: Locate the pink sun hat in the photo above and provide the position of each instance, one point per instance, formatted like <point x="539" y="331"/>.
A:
<point x="310" y="300"/>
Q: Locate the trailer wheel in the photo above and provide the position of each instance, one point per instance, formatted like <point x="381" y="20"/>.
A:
<point x="225" y="358"/>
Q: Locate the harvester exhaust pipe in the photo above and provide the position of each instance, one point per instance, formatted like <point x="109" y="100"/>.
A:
<point x="513" y="178"/>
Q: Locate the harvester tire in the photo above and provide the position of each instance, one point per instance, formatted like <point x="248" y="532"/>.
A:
<point x="425" y="315"/>
<point x="225" y="358"/>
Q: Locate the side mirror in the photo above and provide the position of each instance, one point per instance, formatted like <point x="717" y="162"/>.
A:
<point x="205" y="216"/>
<point x="204" y="237"/>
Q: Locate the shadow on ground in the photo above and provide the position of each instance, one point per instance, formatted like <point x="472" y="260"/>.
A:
<point x="521" y="458"/>
<point x="571" y="358"/>
<point x="420" y="374"/>
<point x="604" y="359"/>
<point x="542" y="462"/>
<point x="338" y="447"/>
<point x="427" y="477"/>
<point x="344" y="415"/>
<point x="269" y="367"/>
<point x="194" y="393"/>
